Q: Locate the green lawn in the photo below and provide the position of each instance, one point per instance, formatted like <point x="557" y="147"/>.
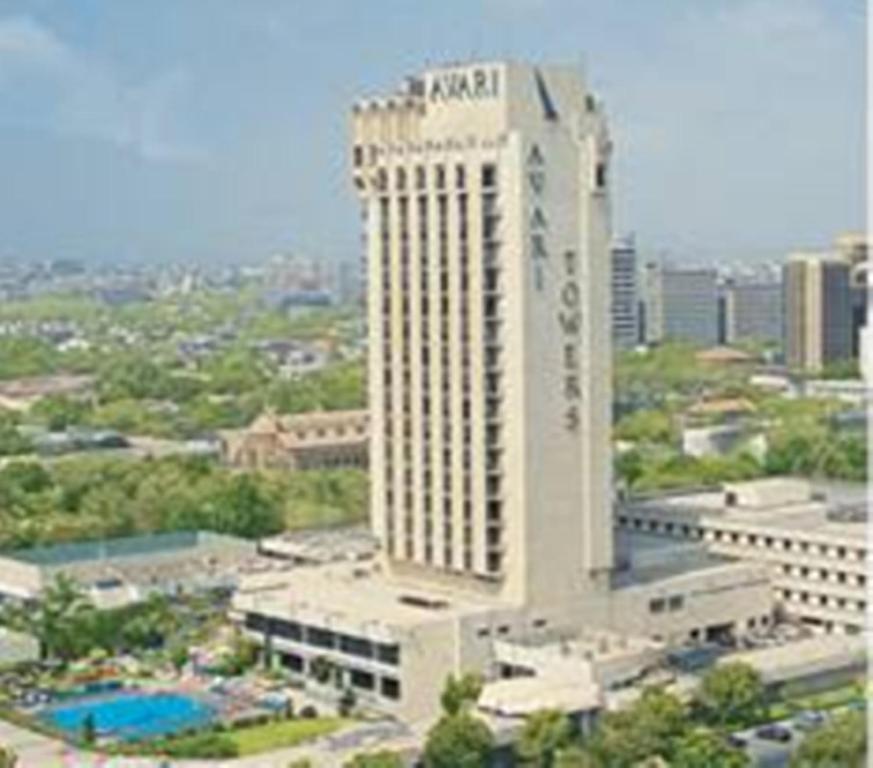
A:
<point x="829" y="699"/>
<point x="285" y="733"/>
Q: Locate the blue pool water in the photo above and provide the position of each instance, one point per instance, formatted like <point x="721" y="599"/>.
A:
<point x="132" y="715"/>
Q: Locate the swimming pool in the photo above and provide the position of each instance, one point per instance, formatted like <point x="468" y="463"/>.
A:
<point x="131" y="715"/>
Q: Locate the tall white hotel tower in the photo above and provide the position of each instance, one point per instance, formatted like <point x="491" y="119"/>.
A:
<point x="486" y="205"/>
<point x="486" y="200"/>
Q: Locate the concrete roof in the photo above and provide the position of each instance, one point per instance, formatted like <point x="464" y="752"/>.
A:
<point x="804" y="658"/>
<point x="808" y="517"/>
<point x="522" y="696"/>
<point x="357" y="597"/>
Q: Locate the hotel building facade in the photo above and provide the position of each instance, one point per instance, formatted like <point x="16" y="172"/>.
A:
<point x="485" y="197"/>
<point x="485" y="200"/>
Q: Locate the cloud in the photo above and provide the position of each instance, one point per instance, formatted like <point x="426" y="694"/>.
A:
<point x="68" y="91"/>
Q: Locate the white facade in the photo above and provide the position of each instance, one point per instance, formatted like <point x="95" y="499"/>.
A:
<point x="485" y="192"/>
<point x="816" y="552"/>
<point x="485" y="198"/>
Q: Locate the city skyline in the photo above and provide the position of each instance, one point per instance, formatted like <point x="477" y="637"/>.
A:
<point x="176" y="135"/>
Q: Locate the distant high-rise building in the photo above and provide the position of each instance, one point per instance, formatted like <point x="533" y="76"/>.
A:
<point x="853" y="246"/>
<point x="625" y="294"/>
<point x="818" y="310"/>
<point x="682" y="305"/>
<point x="753" y="311"/>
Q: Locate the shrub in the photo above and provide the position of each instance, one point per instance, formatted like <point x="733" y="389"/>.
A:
<point x="203" y="745"/>
<point x="308" y="712"/>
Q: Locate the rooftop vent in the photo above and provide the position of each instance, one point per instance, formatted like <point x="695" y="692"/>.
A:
<point x="429" y="604"/>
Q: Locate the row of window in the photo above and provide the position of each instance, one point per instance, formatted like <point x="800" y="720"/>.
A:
<point x="403" y="385"/>
<point x="824" y="601"/>
<point x="439" y="174"/>
<point x="666" y="604"/>
<point x="750" y="539"/>
<point x="325" y="639"/>
<point x="361" y="679"/>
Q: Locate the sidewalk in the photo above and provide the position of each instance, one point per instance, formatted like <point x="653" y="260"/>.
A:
<point x="37" y="751"/>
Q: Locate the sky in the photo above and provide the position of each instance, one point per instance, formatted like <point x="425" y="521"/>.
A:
<point x="216" y="130"/>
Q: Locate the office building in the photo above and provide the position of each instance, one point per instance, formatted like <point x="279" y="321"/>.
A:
<point x="625" y="294"/>
<point x="753" y="312"/>
<point x="682" y="305"/>
<point x="853" y="247"/>
<point x="814" y="547"/>
<point x="818" y="310"/>
<point x="485" y="196"/>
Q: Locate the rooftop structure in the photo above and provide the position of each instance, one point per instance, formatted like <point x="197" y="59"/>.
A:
<point x="315" y="440"/>
<point x="120" y="571"/>
<point x="813" y="543"/>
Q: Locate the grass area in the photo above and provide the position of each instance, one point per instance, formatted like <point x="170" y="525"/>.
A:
<point x="284" y="733"/>
<point x="830" y="699"/>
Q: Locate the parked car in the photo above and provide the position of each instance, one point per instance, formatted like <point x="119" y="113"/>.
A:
<point x="808" y="720"/>
<point x="774" y="732"/>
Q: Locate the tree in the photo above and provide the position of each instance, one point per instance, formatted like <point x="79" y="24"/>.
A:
<point x="12" y="442"/>
<point x="460" y="693"/>
<point x="458" y="741"/>
<point x="842" y="743"/>
<point x="731" y="694"/>
<point x="56" y="621"/>
<point x="544" y="735"/>
<point x="59" y="412"/>
<point x="346" y="702"/>
<point x="647" y="427"/>
<point x="704" y="749"/>
<point x="382" y="759"/>
<point x="89" y="729"/>
<point x="575" y="757"/>
<point x="322" y="669"/>
<point x="650" y="728"/>
<point x="629" y="467"/>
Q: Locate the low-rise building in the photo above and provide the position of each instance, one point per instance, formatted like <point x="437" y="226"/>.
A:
<point x="117" y="572"/>
<point x="810" y="664"/>
<point x="393" y="640"/>
<point x="319" y="440"/>
<point x="815" y="548"/>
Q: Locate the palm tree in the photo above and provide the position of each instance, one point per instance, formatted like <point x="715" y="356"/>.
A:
<point x="56" y="620"/>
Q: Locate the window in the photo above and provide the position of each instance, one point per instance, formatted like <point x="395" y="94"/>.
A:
<point x="489" y="175"/>
<point x="388" y="654"/>
<point x="600" y="176"/>
<point x="460" y="177"/>
<point x="361" y="679"/>
<point x="656" y="605"/>
<point x="358" y="153"/>
<point x="676" y="602"/>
